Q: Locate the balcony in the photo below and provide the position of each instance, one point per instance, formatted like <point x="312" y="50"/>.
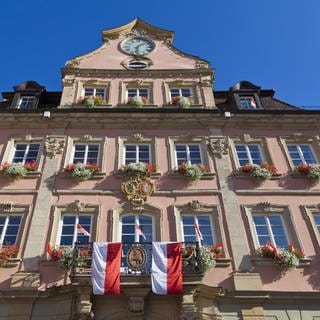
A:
<point x="136" y="263"/>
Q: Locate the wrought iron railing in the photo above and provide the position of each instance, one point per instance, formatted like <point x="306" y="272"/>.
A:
<point x="136" y="259"/>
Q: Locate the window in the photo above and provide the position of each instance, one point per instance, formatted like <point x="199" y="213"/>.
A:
<point x="248" y="154"/>
<point x="270" y="228"/>
<point x="189" y="153"/>
<point x="190" y="223"/>
<point x="142" y="92"/>
<point x="137" y="153"/>
<point x="95" y="92"/>
<point x="301" y="153"/>
<point x="181" y="92"/>
<point x="85" y="153"/>
<point x="74" y="228"/>
<point x="9" y="229"/>
<point x="25" y="152"/>
<point x="317" y="221"/>
<point x="136" y="228"/>
<point x="247" y="102"/>
<point x="137" y="64"/>
<point x="26" y="102"/>
<point x="270" y="223"/>
<point x="312" y="213"/>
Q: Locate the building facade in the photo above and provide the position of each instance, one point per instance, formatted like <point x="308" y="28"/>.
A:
<point x="234" y="170"/>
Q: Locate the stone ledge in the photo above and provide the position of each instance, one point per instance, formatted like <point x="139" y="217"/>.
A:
<point x="121" y="175"/>
<point x="303" y="262"/>
<point x="206" y="176"/>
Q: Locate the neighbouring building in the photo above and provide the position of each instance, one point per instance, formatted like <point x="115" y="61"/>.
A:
<point x="139" y="148"/>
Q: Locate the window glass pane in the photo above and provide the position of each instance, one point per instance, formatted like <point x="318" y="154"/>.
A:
<point x="88" y="91"/>
<point x="317" y="221"/>
<point x="11" y="230"/>
<point x="128" y="219"/>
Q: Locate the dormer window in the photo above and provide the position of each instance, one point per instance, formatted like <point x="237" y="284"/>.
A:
<point x="248" y="102"/>
<point x="26" y="102"/>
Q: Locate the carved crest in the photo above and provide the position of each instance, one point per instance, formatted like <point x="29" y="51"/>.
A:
<point x="219" y="146"/>
<point x="54" y="145"/>
<point x="137" y="190"/>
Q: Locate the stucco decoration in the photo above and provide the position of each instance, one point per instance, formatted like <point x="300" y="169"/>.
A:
<point x="76" y="206"/>
<point x="195" y="205"/>
<point x="72" y="64"/>
<point x="54" y="145"/>
<point x="219" y="146"/>
<point x="6" y="207"/>
<point x="67" y="82"/>
<point x="138" y="136"/>
<point x="137" y="189"/>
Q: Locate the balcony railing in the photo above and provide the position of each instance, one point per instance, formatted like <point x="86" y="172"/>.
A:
<point x="136" y="259"/>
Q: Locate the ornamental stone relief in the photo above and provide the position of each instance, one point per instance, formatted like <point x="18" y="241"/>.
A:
<point x="54" y="145"/>
<point x="218" y="146"/>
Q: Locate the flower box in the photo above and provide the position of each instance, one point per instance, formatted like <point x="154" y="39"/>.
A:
<point x="83" y="172"/>
<point x="182" y="102"/>
<point x="137" y="101"/>
<point x="92" y="101"/>
<point x="8" y="256"/>
<point x="259" y="173"/>
<point x="138" y="169"/>
<point x="309" y="171"/>
<point x="193" y="172"/>
<point x="20" y="171"/>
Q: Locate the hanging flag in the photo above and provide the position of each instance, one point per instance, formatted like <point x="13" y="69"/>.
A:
<point x="106" y="261"/>
<point x="253" y="103"/>
<point x="49" y="252"/>
<point x="198" y="232"/>
<point x="82" y="230"/>
<point x="140" y="231"/>
<point x="166" y="270"/>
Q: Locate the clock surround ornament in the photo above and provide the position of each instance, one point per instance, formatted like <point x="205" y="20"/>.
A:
<point x="137" y="46"/>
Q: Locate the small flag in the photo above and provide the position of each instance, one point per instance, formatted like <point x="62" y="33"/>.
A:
<point x="82" y="230"/>
<point x="198" y="232"/>
<point x="140" y="231"/>
<point x="49" y="252"/>
<point x="106" y="261"/>
<point x="166" y="270"/>
<point x="253" y="103"/>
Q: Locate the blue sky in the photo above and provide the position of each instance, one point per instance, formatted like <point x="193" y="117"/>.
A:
<point x="272" y="43"/>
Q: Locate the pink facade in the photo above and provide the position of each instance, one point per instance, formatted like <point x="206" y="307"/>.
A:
<point x="221" y="130"/>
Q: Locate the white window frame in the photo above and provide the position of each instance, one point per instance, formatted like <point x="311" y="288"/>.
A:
<point x="95" y="91"/>
<point x="269" y="228"/>
<point x="180" y="91"/>
<point x="137" y="152"/>
<point x="187" y="145"/>
<point x="26" y="152"/>
<point x="137" y="139"/>
<point x="136" y="219"/>
<point x="301" y="154"/>
<point x="310" y="211"/>
<point x="182" y="84"/>
<point x="246" y="105"/>
<point x="268" y="209"/>
<point x="5" y="227"/>
<point x="75" y="233"/>
<point x="30" y="99"/>
<point x="196" y="221"/>
<point x="85" y="160"/>
<point x="137" y="90"/>
<point x="248" y="152"/>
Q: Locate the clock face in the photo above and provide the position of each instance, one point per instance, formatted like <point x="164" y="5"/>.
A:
<point x="137" y="46"/>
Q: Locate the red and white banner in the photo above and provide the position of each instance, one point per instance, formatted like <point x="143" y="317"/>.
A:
<point x="82" y="230"/>
<point x="166" y="270"/>
<point x="198" y="232"/>
<point x="106" y="261"/>
<point x="140" y="232"/>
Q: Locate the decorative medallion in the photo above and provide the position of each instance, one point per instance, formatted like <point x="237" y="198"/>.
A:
<point x="136" y="258"/>
<point x="54" y="145"/>
<point x="219" y="146"/>
<point x="137" y="189"/>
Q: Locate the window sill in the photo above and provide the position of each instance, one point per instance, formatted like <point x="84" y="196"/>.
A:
<point x="304" y="262"/>
<point x="175" y="106"/>
<point x="121" y="175"/>
<point x="95" y="176"/>
<point x="248" y="176"/>
<point x="223" y="262"/>
<point x="206" y="176"/>
<point x="297" y="175"/>
<point x="145" y="106"/>
<point x="93" y="107"/>
<point x="12" y="262"/>
<point x="29" y="175"/>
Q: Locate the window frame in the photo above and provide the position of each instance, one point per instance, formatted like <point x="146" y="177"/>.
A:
<point x="136" y="139"/>
<point x="309" y="212"/>
<point x="75" y="234"/>
<point x="94" y="92"/>
<point x="284" y="141"/>
<point x="137" y="85"/>
<point x="181" y="84"/>
<point x="196" y="208"/>
<point x="136" y="216"/>
<point x="247" y="139"/>
<point x="126" y="209"/>
<point x="86" y="152"/>
<point x="73" y="208"/>
<point x="248" y="153"/>
<point x="93" y="84"/>
<point x="268" y="209"/>
<point x="34" y="101"/>
<point x="188" y="158"/>
<point x="86" y="139"/>
<point x="176" y="140"/>
<point x="137" y="151"/>
<point x="11" y="209"/>
<point x="246" y="105"/>
<point x="27" y="139"/>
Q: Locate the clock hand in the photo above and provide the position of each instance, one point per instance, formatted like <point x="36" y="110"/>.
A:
<point x="137" y="48"/>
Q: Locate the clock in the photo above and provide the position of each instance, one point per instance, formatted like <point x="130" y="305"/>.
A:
<point x="137" y="46"/>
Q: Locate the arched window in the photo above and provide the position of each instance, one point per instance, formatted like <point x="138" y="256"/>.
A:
<point x="136" y="228"/>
